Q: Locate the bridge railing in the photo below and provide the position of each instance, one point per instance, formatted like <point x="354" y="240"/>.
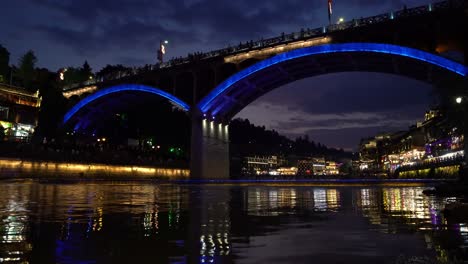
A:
<point x="304" y="34"/>
<point x="317" y="32"/>
<point x="18" y="90"/>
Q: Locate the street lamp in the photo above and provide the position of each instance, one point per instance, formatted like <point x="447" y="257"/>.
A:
<point x="459" y="99"/>
<point x="341" y="20"/>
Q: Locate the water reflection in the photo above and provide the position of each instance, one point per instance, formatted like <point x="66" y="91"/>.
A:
<point x="14" y="245"/>
<point x="141" y="222"/>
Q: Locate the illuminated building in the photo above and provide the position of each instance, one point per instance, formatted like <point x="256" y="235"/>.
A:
<point x="331" y="168"/>
<point x="262" y="165"/>
<point x="318" y="166"/>
<point x="368" y="154"/>
<point x="305" y="167"/>
<point x="19" y="111"/>
<point x="425" y="143"/>
<point x="287" y="171"/>
<point x="431" y="114"/>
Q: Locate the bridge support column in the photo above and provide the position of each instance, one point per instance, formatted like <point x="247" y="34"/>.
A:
<point x="209" y="149"/>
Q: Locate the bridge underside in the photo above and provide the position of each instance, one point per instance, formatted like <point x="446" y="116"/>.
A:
<point x="245" y="91"/>
<point x="97" y="115"/>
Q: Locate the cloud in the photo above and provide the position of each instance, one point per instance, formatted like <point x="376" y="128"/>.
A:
<point x="105" y="27"/>
<point x="352" y="92"/>
<point x="333" y="129"/>
<point x="297" y="121"/>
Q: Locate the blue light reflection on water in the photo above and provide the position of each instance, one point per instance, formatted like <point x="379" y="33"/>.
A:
<point x="188" y="223"/>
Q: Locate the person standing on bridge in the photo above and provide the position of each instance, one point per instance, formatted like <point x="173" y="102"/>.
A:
<point x="329" y="11"/>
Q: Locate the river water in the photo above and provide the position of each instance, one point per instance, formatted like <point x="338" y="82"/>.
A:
<point x="134" y="222"/>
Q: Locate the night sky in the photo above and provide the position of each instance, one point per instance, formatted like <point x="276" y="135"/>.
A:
<point x="334" y="109"/>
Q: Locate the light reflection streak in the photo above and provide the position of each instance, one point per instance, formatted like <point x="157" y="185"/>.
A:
<point x="13" y="228"/>
<point x="215" y="228"/>
<point x="277" y="201"/>
<point x="91" y="169"/>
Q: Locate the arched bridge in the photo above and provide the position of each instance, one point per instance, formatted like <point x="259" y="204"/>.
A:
<point x="215" y="88"/>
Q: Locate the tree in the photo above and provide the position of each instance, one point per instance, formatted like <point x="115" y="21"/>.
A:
<point x="4" y="64"/>
<point x="86" y="71"/>
<point x="26" y="69"/>
<point x="72" y="76"/>
<point x="113" y="72"/>
<point x="53" y="105"/>
<point x="53" y="108"/>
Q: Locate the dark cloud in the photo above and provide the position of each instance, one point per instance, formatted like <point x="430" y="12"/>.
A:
<point x="344" y="92"/>
<point x="105" y="27"/>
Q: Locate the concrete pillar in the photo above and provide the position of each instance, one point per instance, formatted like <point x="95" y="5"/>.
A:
<point x="196" y="145"/>
<point x="209" y="148"/>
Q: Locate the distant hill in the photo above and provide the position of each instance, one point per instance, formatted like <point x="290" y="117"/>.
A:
<point x="248" y="139"/>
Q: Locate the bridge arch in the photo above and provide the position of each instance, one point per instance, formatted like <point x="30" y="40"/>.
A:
<point x="119" y="89"/>
<point x="236" y="92"/>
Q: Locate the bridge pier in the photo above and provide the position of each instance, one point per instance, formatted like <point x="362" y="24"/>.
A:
<point x="209" y="148"/>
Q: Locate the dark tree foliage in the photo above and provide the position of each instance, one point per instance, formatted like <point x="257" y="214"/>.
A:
<point x="113" y="72"/>
<point x="86" y="71"/>
<point x="247" y="140"/>
<point x="53" y="105"/>
<point x="74" y="75"/>
<point x="4" y="64"/>
<point x="151" y="119"/>
<point x="447" y="91"/>
<point x="26" y="68"/>
<point x="2" y="133"/>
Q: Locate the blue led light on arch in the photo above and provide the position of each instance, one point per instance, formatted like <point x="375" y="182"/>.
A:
<point x="122" y="88"/>
<point x="207" y="102"/>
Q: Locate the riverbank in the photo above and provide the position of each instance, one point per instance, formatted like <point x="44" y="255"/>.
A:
<point x="16" y="168"/>
<point x="292" y="183"/>
<point x="75" y="172"/>
<point x="320" y="182"/>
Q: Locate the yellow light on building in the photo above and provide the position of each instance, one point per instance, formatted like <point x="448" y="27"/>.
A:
<point x="269" y="51"/>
